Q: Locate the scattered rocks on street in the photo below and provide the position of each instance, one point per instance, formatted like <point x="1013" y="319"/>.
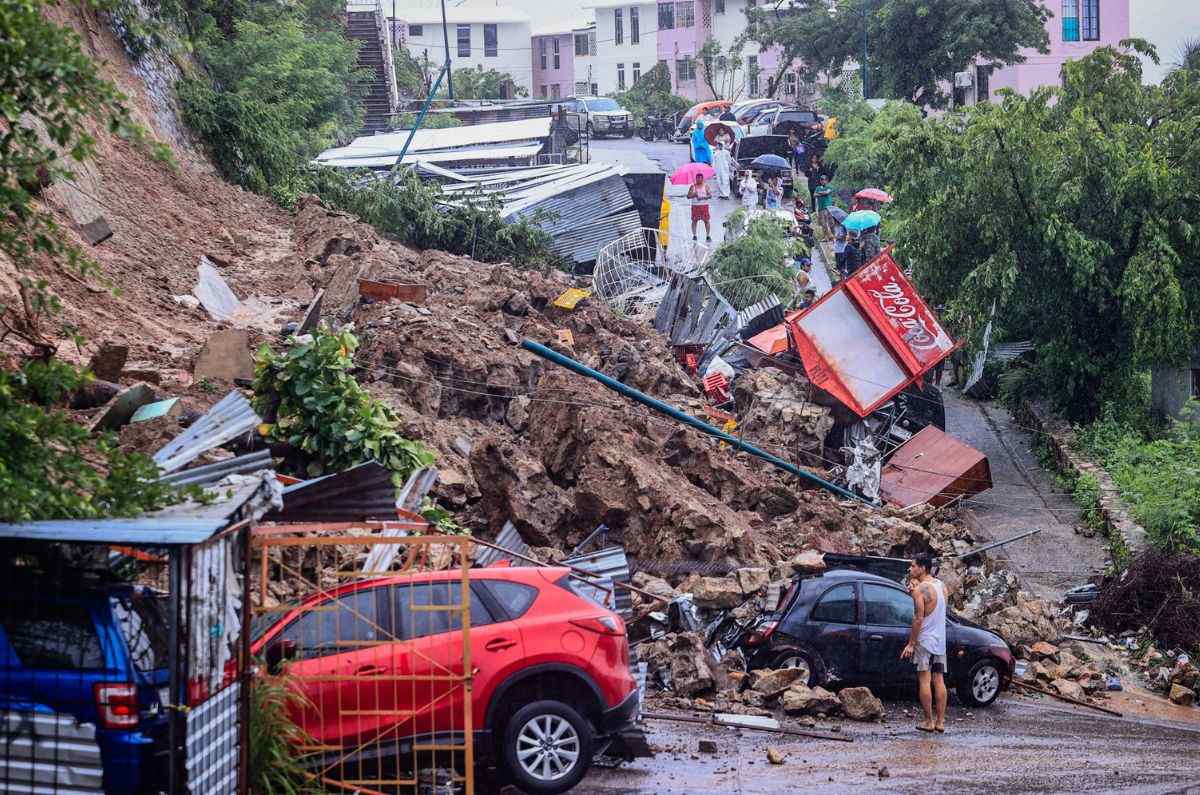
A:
<point x="859" y="703"/>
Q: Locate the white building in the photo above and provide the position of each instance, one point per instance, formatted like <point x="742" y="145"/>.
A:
<point x="626" y="43"/>
<point x="585" y="63"/>
<point x="481" y="35"/>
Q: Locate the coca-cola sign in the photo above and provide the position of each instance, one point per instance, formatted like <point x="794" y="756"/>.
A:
<point x="895" y="308"/>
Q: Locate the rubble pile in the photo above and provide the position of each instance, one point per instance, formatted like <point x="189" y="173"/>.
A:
<point x="993" y="598"/>
<point x="1068" y="670"/>
<point x="1172" y="673"/>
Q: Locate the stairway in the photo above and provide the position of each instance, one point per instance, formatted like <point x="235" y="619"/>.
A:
<point x="377" y="105"/>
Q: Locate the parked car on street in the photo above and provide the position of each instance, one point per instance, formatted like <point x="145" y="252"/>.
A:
<point x="751" y="146"/>
<point x="748" y="112"/>
<point x="598" y="116"/>
<point x="548" y="661"/>
<point x="849" y="627"/>
<point x="89" y="657"/>
<point x="713" y="108"/>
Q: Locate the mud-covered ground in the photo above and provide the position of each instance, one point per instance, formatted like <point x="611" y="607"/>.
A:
<point x="1016" y="745"/>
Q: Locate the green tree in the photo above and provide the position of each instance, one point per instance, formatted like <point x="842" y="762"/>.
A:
<point x="282" y="86"/>
<point x="723" y="71"/>
<point x="1073" y="212"/>
<point x="863" y="149"/>
<point x="913" y="47"/>
<point x="479" y="83"/>
<point x="651" y="96"/>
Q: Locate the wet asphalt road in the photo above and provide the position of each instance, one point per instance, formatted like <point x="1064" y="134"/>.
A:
<point x="1017" y="745"/>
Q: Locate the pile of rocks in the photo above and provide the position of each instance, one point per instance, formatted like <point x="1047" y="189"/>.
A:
<point x="1068" y="670"/>
<point x="993" y="598"/>
<point x="1179" y="682"/>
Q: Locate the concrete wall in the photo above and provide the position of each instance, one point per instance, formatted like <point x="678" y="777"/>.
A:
<point x="512" y="42"/>
<point x="1166" y="24"/>
<point x="545" y="80"/>
<point x="609" y="54"/>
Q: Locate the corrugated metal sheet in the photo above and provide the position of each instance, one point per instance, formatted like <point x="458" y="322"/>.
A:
<point x="211" y="473"/>
<point x="609" y="565"/>
<point x="159" y="532"/>
<point x="511" y="540"/>
<point x="213" y="748"/>
<point x="408" y="501"/>
<point x="360" y="492"/>
<point x="519" y="155"/>
<point x="693" y="312"/>
<point x="229" y="418"/>
<point x="390" y="144"/>
<point x="43" y="753"/>
<point x="935" y="468"/>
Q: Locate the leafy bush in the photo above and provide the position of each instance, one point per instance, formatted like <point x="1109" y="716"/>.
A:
<point x="281" y="86"/>
<point x="53" y="468"/>
<point x="1158" y="591"/>
<point x="414" y="213"/>
<point x="432" y="121"/>
<point x="755" y="264"/>
<point x="275" y="767"/>
<point x="319" y="408"/>
<point x="1159" y="478"/>
<point x="651" y="95"/>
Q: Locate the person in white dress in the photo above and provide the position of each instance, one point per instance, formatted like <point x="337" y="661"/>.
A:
<point x="723" y="165"/>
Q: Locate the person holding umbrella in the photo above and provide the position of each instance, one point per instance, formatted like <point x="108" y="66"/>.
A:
<point x="700" y="194"/>
<point x="701" y="152"/>
<point x="749" y="190"/>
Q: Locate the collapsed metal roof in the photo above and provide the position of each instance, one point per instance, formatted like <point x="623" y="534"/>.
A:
<point x="355" y="494"/>
<point x="229" y="418"/>
<point x="507" y="133"/>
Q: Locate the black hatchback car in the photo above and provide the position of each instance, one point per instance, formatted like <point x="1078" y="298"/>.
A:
<point x="849" y="627"/>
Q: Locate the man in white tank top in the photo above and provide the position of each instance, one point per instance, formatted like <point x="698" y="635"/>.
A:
<point x="927" y="642"/>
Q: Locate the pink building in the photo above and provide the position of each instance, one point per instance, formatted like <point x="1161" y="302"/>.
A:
<point x="1076" y="28"/>
<point x="683" y="27"/>
<point x="553" y="64"/>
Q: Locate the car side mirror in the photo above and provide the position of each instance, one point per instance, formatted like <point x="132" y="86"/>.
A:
<point x="277" y="652"/>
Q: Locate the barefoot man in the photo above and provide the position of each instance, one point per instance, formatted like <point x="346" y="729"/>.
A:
<point x="927" y="641"/>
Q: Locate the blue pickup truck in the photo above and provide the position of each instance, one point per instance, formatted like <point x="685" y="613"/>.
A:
<point x="83" y="681"/>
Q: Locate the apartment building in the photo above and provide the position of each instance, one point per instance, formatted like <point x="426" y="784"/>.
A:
<point x="626" y="43"/>
<point x="481" y="35"/>
<point x="553" y="63"/>
<point x="586" y="68"/>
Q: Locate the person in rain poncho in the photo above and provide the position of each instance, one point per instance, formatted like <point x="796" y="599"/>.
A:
<point x="723" y="165"/>
<point x="775" y="192"/>
<point x="701" y="151"/>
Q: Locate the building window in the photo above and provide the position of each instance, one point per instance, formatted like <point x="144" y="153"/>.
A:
<point x="1091" y="20"/>
<point x="619" y="26"/>
<point x="490" y="48"/>
<point x="1070" y="20"/>
<point x="983" y="76"/>
<point x="595" y="90"/>
<point x="752" y="74"/>
<point x="685" y="14"/>
<point x="416" y="31"/>
<point x="635" y="27"/>
<point x="581" y="44"/>
<point x="542" y="91"/>
<point x="685" y="69"/>
<point x="557" y="63"/>
<point x="719" y="6"/>
<point x="637" y="72"/>
<point x="620" y="77"/>
<point x="542" y="52"/>
<point x="581" y="88"/>
<point x="555" y="91"/>
<point x="666" y="16"/>
<point x="789" y="84"/>
<point x="464" y="41"/>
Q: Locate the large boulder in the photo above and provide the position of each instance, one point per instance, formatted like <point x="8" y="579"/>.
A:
<point x="859" y="703"/>
<point x="1044" y="651"/>
<point x="717" y="592"/>
<point x="799" y="699"/>
<point x="752" y="579"/>
<point x="772" y="683"/>
<point x="1184" y="696"/>
<point x="1065" y="687"/>
<point x="778" y="407"/>
<point x="690" y="673"/>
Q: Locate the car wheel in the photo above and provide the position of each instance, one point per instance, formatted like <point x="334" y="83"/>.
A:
<point x="628" y="132"/>
<point x="798" y="658"/>
<point x="981" y="685"/>
<point x="547" y="748"/>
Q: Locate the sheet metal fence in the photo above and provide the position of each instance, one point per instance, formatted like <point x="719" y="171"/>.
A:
<point x="380" y="660"/>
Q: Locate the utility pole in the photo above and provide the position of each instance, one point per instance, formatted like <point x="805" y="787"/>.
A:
<point x="446" y="39"/>
<point x="866" y="56"/>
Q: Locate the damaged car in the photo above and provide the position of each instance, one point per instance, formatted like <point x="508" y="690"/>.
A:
<point x="849" y="627"/>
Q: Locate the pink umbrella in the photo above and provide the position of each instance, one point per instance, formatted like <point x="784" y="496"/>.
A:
<point x="874" y="194"/>
<point x="686" y="174"/>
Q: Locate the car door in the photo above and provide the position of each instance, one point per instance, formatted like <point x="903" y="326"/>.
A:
<point x="835" y="631"/>
<point x="573" y="116"/>
<point x="887" y="624"/>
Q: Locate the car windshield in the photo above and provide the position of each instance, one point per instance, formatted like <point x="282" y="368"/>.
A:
<point x="804" y="116"/>
<point x="752" y="146"/>
<point x="142" y="618"/>
<point x="602" y="104"/>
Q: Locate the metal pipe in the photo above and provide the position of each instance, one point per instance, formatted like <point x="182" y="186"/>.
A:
<point x="175" y="686"/>
<point x="687" y="419"/>
<point x="446" y="39"/>
<point x="995" y="544"/>
<point x="421" y="116"/>
<point x="711" y="721"/>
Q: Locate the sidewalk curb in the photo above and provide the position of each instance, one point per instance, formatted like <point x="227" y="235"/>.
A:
<point x="1114" y="514"/>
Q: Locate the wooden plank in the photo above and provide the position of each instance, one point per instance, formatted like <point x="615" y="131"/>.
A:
<point x="387" y="291"/>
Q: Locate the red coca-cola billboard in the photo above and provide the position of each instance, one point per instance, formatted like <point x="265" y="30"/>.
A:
<point x="869" y="337"/>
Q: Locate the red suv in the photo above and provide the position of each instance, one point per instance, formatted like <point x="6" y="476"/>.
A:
<point x="551" y="677"/>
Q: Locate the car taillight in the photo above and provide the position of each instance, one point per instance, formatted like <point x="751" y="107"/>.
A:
<point x="602" y="625"/>
<point x="117" y="704"/>
<point x="761" y="635"/>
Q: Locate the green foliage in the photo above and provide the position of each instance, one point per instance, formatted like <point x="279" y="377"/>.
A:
<point x="441" y="520"/>
<point x="53" y="468"/>
<point x="413" y="212"/>
<point x="478" y="83"/>
<point x="1158" y="476"/>
<point x="432" y="121"/>
<point x="281" y="86"/>
<point x="1086" y="493"/>
<point x="723" y="71"/>
<point x="414" y="76"/>
<point x="914" y="47"/>
<point x="863" y="148"/>
<point x="48" y="91"/>
<point x="1073" y="211"/>
<point x="754" y="265"/>
<point x="321" y="410"/>
<point x="651" y="96"/>
<point x="275" y="766"/>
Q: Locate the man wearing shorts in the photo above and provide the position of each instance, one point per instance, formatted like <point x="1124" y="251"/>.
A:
<point x="700" y="194"/>
<point x="927" y="641"/>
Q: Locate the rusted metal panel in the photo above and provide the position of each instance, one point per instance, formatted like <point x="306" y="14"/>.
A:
<point x="935" y="468"/>
<point x="387" y="291"/>
<point x="357" y="493"/>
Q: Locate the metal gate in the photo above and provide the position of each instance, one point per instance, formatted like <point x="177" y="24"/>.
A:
<point x="372" y="634"/>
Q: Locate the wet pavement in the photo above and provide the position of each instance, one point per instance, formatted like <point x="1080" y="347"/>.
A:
<point x="1024" y="496"/>
<point x="1016" y="745"/>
